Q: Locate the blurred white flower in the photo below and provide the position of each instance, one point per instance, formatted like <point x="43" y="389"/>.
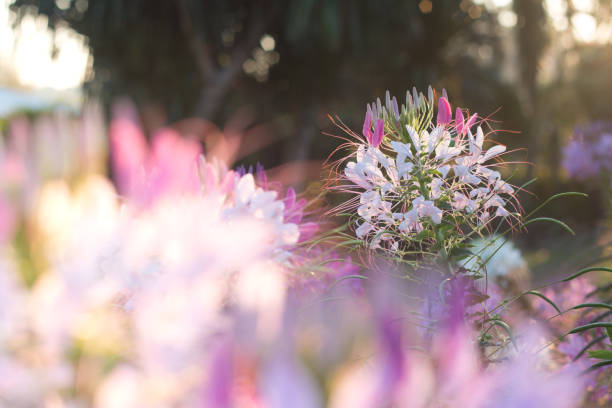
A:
<point x="497" y="256"/>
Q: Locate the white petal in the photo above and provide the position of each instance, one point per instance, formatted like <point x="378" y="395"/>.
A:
<point x="492" y="152"/>
<point x="363" y="229"/>
<point x="244" y="190"/>
<point x="501" y="212"/>
<point x="416" y="141"/>
<point x="479" y="137"/>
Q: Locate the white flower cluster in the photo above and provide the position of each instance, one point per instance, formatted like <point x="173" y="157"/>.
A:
<point x="154" y="286"/>
<point x="419" y="176"/>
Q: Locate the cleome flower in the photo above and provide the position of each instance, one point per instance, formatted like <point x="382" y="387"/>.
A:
<point x="415" y="180"/>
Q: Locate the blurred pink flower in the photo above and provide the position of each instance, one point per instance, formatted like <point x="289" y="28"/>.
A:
<point x="143" y="174"/>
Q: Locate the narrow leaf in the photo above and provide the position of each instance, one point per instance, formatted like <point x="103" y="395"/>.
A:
<point x="601" y="354"/>
<point x="345" y="278"/>
<point x="587" y="270"/>
<point x="554" y="197"/>
<point x="547" y="300"/>
<point x="591" y="305"/>
<point x="586" y="327"/>
<point x="553" y="220"/>
<point x="598" y="365"/>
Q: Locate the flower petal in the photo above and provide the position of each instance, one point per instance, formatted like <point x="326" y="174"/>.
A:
<point x="367" y="126"/>
<point x="492" y="152"/>
<point x="459" y="122"/>
<point x="379" y="129"/>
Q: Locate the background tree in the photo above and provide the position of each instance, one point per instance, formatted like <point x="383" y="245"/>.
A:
<point x="210" y="58"/>
<point x="292" y="62"/>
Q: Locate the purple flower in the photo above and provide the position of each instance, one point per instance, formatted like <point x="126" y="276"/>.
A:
<point x="589" y="152"/>
<point x="579" y="160"/>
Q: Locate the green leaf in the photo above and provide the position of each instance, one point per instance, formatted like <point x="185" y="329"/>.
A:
<point x="601" y="354"/>
<point x="591" y="305"/>
<point x="598" y="365"/>
<point x="586" y="327"/>
<point x="336" y="282"/>
<point x="609" y="332"/>
<point x="425" y="234"/>
<point x="553" y="220"/>
<point x="588" y="346"/>
<point x="547" y="300"/>
<point x="503" y="325"/>
<point x="533" y="180"/>
<point x="587" y="270"/>
<point x="554" y="197"/>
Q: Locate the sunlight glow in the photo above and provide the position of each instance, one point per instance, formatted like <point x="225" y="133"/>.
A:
<point x="507" y="18"/>
<point x="584" y="27"/>
<point x="27" y="52"/>
<point x="584" y="5"/>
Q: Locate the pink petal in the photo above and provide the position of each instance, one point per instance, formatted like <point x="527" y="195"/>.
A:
<point x="459" y="121"/>
<point x="444" y="111"/>
<point x="228" y="182"/>
<point x="307" y="231"/>
<point x="172" y="164"/>
<point x="210" y="179"/>
<point x="289" y="199"/>
<point x="367" y="127"/>
<point x="296" y="212"/>
<point x="129" y="153"/>
<point x="471" y="121"/>
<point x="379" y="129"/>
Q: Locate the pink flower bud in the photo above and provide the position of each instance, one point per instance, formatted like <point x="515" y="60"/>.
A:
<point x="367" y="127"/>
<point x="444" y="111"/>
<point x="379" y="129"/>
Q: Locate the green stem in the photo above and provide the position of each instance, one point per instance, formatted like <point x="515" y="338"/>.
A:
<point x="445" y="257"/>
